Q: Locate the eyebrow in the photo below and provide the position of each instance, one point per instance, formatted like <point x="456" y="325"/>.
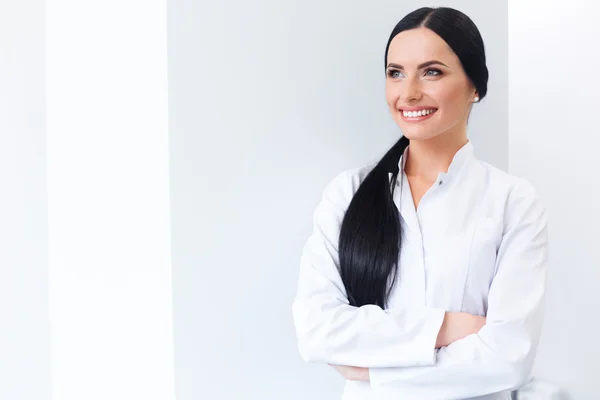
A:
<point x="420" y="66"/>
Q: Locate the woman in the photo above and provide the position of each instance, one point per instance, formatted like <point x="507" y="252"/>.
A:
<point x="424" y="277"/>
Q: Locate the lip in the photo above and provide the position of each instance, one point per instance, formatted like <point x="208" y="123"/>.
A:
<point x="416" y="119"/>
<point x="418" y="108"/>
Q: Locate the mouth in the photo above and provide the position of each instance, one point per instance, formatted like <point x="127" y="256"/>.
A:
<point x="417" y="115"/>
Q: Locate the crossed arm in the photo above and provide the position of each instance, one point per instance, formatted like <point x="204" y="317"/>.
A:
<point x="425" y="348"/>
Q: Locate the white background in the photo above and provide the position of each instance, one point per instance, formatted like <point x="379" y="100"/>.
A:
<point x="24" y="314"/>
<point x="267" y="102"/>
<point x="108" y="200"/>
<point x="553" y="142"/>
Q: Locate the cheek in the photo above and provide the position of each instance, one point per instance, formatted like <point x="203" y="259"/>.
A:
<point x="452" y="97"/>
<point x="451" y="100"/>
<point x="391" y="95"/>
<point x="445" y="96"/>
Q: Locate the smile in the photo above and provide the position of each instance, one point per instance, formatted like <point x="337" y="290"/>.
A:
<point x="417" y="115"/>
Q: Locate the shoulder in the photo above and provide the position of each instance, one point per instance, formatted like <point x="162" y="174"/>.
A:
<point x="521" y="199"/>
<point x="516" y="187"/>
<point x="342" y="187"/>
<point x="335" y="198"/>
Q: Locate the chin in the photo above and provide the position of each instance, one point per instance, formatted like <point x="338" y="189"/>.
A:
<point x="418" y="134"/>
<point x="418" y="130"/>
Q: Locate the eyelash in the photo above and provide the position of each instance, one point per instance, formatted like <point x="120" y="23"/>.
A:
<point x="438" y="72"/>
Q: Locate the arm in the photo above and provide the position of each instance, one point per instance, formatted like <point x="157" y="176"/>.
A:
<point x="455" y="327"/>
<point x="500" y="356"/>
<point x="328" y="329"/>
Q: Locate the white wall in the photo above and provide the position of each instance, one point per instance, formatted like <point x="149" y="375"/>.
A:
<point x="24" y="321"/>
<point x="268" y="101"/>
<point x="108" y="200"/>
<point x="553" y="141"/>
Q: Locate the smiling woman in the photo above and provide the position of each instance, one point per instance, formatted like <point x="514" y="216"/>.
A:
<point x="424" y="276"/>
<point x="415" y="87"/>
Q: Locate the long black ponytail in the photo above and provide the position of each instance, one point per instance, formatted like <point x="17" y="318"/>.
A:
<point x="370" y="235"/>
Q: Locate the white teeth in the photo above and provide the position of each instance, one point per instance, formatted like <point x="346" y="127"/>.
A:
<point x="420" y="113"/>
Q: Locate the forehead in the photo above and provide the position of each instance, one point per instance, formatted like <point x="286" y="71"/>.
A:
<point x="412" y="47"/>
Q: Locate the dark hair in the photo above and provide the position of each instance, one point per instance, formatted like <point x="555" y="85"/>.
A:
<point x="370" y="234"/>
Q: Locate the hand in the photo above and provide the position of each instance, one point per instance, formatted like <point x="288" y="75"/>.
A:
<point x="458" y="325"/>
<point x="352" y="373"/>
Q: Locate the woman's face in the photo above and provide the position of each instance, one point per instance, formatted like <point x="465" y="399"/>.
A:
<point x="427" y="89"/>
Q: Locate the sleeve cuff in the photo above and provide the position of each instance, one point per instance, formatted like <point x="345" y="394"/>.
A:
<point x="424" y="351"/>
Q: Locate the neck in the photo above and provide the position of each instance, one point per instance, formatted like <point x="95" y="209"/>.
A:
<point x="427" y="158"/>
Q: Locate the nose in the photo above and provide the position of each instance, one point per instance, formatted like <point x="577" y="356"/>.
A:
<point x="410" y="91"/>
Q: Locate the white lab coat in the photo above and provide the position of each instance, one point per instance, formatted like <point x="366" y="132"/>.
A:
<point x="476" y="244"/>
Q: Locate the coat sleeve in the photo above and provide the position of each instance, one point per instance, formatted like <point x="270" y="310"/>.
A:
<point x="331" y="331"/>
<point x="500" y="356"/>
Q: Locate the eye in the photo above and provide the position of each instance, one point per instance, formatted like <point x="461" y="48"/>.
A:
<point x="433" y="72"/>
<point x="394" y="73"/>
